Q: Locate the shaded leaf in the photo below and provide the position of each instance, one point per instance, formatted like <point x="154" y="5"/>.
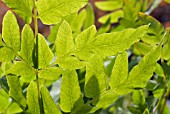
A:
<point x="95" y="80"/>
<point x="15" y="90"/>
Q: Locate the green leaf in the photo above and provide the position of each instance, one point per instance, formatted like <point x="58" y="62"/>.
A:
<point x="155" y="26"/>
<point x="14" y="109"/>
<point x="4" y="101"/>
<point x="90" y="18"/>
<point x="32" y="99"/>
<point x="138" y="97"/>
<point x="106" y="44"/>
<point x="141" y="73"/>
<point x="6" y="54"/>
<point x="11" y="32"/>
<point x="159" y="70"/>
<point x="51" y="11"/>
<point x="22" y="7"/>
<point x="104" y="100"/>
<point x="104" y="28"/>
<point x="54" y="29"/>
<point x="109" y="5"/>
<point x="52" y="73"/>
<point x="117" y="42"/>
<point x="155" y="29"/>
<point x="21" y="68"/>
<point x="76" y="27"/>
<point x="45" y="54"/>
<point x="71" y="62"/>
<point x="27" y="45"/>
<point x="84" y="41"/>
<point x="95" y="80"/>
<point x="15" y="90"/>
<point x="53" y="32"/>
<point x="114" y="17"/>
<point x="48" y="103"/>
<point x="141" y="48"/>
<point x="70" y="95"/>
<point x="64" y="42"/>
<point x="119" y="71"/>
<point x="1" y="42"/>
<point x="166" y="47"/>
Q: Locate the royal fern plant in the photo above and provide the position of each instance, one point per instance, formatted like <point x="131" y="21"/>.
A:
<point x="74" y="55"/>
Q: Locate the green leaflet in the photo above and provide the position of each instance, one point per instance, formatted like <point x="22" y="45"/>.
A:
<point x="52" y="73"/>
<point x="117" y="42"/>
<point x="76" y="27"/>
<point x="32" y="99"/>
<point x="22" y="7"/>
<point x="166" y="47"/>
<point x="14" y="109"/>
<point x="6" y="54"/>
<point x="119" y="71"/>
<point x="84" y="41"/>
<point x="64" y="42"/>
<point x="90" y="18"/>
<point x="27" y="45"/>
<point x="138" y="97"/>
<point x="155" y="27"/>
<point x="48" y="104"/>
<point x="53" y="32"/>
<point x="95" y="80"/>
<point x="142" y="72"/>
<point x="141" y="48"/>
<point x="15" y="90"/>
<point x="1" y="43"/>
<point x="109" y="5"/>
<point x="4" y="101"/>
<point x="70" y="95"/>
<point x="45" y="54"/>
<point x="21" y="68"/>
<point x="51" y="11"/>
<point x="107" y="44"/>
<point x="54" y="29"/>
<point x="70" y="62"/>
<point x="65" y="47"/>
<point x="11" y="32"/>
<point x="114" y="17"/>
<point x="104" y="100"/>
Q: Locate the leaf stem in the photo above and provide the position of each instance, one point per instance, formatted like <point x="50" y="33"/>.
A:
<point x="165" y="101"/>
<point x="36" y="56"/>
